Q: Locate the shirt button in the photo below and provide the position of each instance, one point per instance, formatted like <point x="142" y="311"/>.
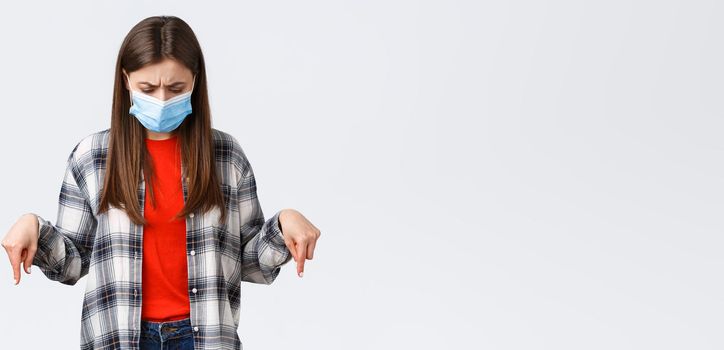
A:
<point x="193" y="252"/>
<point x="196" y="329"/>
<point x="194" y="290"/>
<point x="191" y="215"/>
<point x="135" y="292"/>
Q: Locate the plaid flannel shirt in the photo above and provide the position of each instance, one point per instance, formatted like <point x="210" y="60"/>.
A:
<point x="107" y="247"/>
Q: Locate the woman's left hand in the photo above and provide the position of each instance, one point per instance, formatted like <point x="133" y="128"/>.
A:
<point x="300" y="236"/>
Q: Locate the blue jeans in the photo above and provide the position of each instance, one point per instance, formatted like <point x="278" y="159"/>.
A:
<point x="169" y="335"/>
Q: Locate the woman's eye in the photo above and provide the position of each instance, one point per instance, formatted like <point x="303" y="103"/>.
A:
<point x="176" y="91"/>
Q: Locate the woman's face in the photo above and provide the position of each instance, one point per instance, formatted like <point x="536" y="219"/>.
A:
<point x="162" y="80"/>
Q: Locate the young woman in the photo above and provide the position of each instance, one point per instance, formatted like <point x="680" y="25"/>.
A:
<point x="160" y="210"/>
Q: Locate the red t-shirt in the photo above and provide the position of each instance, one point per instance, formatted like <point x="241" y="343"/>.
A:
<point x="165" y="275"/>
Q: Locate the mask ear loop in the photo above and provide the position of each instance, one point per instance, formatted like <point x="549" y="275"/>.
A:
<point x="130" y="92"/>
<point x="193" y="84"/>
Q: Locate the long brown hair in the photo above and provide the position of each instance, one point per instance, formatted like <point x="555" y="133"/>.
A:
<point x="148" y="42"/>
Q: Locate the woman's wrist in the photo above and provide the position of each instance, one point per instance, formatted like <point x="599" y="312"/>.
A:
<point x="279" y="220"/>
<point x="282" y="215"/>
<point x="32" y="219"/>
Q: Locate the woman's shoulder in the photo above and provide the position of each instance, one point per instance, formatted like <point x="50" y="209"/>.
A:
<point x="90" y="145"/>
<point x="92" y="148"/>
<point x="99" y="140"/>
<point x="229" y="149"/>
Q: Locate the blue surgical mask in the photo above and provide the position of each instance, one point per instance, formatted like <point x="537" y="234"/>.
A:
<point x="158" y="115"/>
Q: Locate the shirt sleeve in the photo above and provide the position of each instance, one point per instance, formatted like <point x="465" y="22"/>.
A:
<point x="264" y="250"/>
<point x="64" y="248"/>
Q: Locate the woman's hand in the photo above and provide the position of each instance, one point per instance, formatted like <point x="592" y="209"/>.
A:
<point x="21" y="242"/>
<point x="299" y="235"/>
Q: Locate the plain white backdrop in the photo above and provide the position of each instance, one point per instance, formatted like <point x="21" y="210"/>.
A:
<point x="486" y="175"/>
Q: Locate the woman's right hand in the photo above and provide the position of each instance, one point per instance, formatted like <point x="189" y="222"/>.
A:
<point x="21" y="242"/>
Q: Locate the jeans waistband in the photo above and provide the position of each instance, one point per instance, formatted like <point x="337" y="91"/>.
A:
<point x="180" y="322"/>
<point x="167" y="329"/>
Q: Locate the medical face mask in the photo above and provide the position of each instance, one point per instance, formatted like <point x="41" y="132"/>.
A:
<point x="158" y="115"/>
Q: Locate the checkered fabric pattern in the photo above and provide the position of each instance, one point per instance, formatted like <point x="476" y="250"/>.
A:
<point x="107" y="248"/>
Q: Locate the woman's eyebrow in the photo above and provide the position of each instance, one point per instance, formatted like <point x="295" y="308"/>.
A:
<point x="172" y="84"/>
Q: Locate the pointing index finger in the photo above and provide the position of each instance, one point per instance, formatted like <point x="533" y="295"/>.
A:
<point x="14" y="256"/>
<point x="302" y="253"/>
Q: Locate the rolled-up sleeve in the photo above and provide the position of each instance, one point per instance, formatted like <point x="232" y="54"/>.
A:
<point x="264" y="250"/>
<point x="64" y="248"/>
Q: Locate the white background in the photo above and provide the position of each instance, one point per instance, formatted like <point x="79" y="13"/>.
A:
<point x="486" y="175"/>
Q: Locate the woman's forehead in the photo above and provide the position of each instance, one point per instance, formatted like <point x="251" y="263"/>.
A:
<point x="166" y="72"/>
